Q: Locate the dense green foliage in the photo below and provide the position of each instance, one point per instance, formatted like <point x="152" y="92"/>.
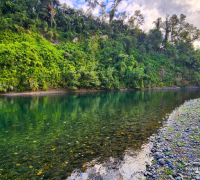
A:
<point x="126" y="57"/>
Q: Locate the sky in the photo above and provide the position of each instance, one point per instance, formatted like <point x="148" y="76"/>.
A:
<point x="151" y="9"/>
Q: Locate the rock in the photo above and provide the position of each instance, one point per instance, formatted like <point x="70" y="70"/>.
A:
<point x="167" y="149"/>
<point x="158" y="155"/>
<point x="196" y="164"/>
<point x="168" y="162"/>
<point x="197" y="177"/>
<point x="161" y="161"/>
<point x="149" y="174"/>
<point x="178" y="172"/>
<point x="11" y="87"/>
<point x="170" y="176"/>
<point x="152" y="150"/>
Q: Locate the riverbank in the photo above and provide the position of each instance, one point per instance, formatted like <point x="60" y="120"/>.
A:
<point x="53" y="91"/>
<point x="62" y="91"/>
<point x="176" y="148"/>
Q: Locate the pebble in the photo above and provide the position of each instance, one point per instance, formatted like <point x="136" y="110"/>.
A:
<point x="149" y="174"/>
<point x="196" y="164"/>
<point x="197" y="177"/>
<point x="161" y="161"/>
<point x="170" y="176"/>
<point x="39" y="173"/>
<point x="152" y="150"/>
<point x="169" y="152"/>
<point x="158" y="155"/>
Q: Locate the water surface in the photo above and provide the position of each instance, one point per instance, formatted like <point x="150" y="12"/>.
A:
<point x="64" y="136"/>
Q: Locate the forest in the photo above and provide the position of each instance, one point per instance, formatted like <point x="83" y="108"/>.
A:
<point x="48" y="45"/>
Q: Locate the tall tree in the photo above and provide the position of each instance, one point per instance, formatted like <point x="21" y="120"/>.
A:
<point x="167" y="28"/>
<point x="136" y="20"/>
<point x="122" y="18"/>
<point x="103" y="13"/>
<point x="92" y="3"/>
<point x="189" y="33"/>
<point x="113" y="9"/>
<point x="174" y="21"/>
<point x="158" y="23"/>
<point x="52" y="12"/>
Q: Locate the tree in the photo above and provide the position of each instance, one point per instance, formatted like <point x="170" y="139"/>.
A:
<point x="167" y="28"/>
<point x="103" y="13"/>
<point x="189" y="33"/>
<point x="174" y="21"/>
<point x="113" y="9"/>
<point x="123" y="16"/>
<point x="181" y="22"/>
<point x="136" y="20"/>
<point x="155" y="39"/>
<point x="92" y="3"/>
<point x="158" y="23"/>
<point x="53" y="13"/>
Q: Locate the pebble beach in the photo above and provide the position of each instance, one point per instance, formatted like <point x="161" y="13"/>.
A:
<point x="176" y="148"/>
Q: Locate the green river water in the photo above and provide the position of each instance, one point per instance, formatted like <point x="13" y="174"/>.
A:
<point x="63" y="136"/>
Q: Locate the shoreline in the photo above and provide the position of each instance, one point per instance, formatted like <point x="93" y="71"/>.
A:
<point x="53" y="91"/>
<point x="176" y="148"/>
<point x="57" y="91"/>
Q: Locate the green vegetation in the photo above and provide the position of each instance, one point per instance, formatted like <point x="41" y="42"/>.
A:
<point x="86" y="52"/>
<point x="168" y="172"/>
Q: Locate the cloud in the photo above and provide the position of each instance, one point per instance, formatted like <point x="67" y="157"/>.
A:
<point x="68" y="2"/>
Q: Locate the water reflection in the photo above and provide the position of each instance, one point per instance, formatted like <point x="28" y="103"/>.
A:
<point x="132" y="167"/>
<point x="51" y="136"/>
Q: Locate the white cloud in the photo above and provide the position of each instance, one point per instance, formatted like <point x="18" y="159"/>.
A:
<point x="68" y="2"/>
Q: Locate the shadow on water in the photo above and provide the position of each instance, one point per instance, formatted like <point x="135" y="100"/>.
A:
<point x="50" y="137"/>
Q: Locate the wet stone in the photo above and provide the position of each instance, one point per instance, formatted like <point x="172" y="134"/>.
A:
<point x="161" y="161"/>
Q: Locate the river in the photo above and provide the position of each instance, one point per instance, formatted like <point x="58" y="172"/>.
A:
<point x="81" y="136"/>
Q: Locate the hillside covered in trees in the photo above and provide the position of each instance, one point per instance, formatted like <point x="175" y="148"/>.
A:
<point x="46" y="45"/>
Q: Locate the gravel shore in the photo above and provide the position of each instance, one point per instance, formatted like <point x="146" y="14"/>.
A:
<point x="176" y="148"/>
